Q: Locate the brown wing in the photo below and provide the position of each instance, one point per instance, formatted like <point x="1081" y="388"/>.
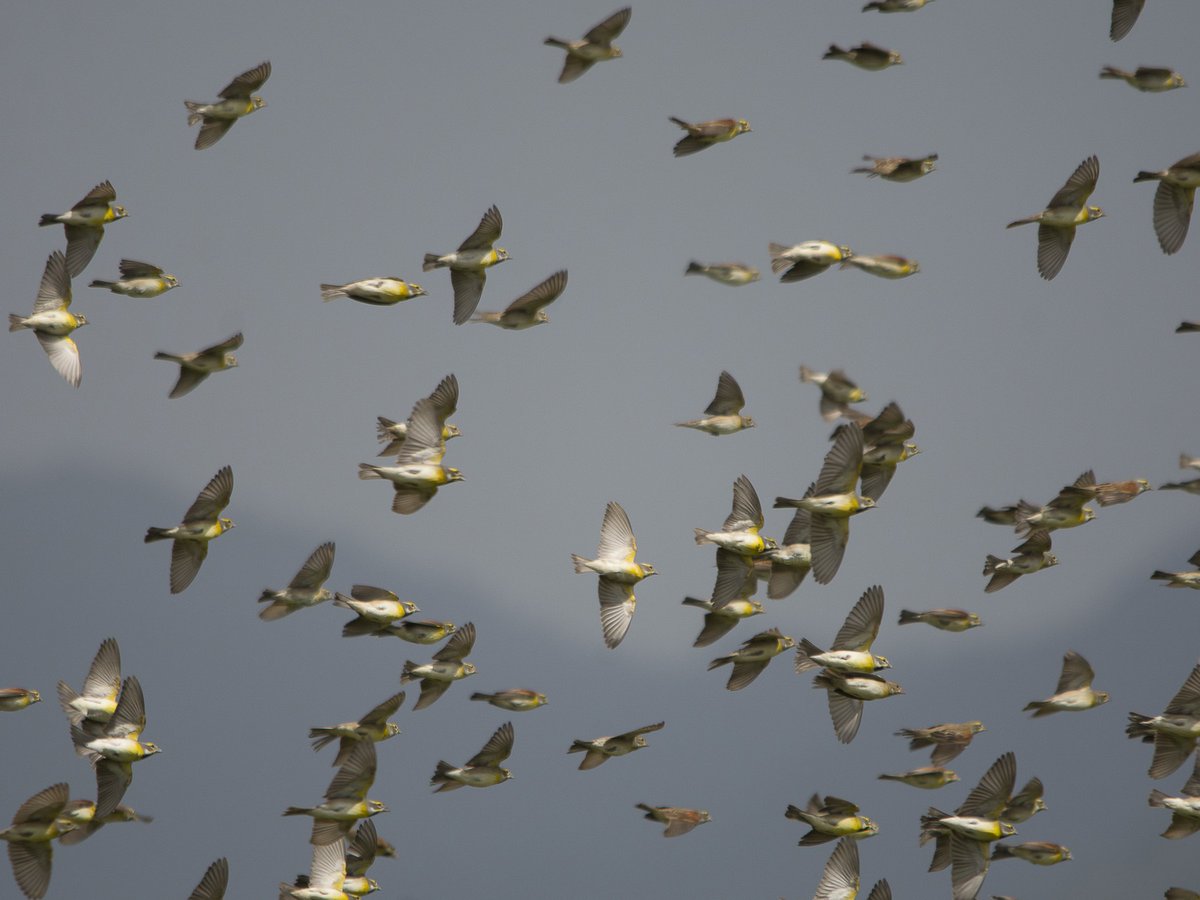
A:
<point x="1080" y="185"/>
<point x="486" y="232"/>
<point x="214" y="498"/>
<point x="603" y="33"/>
<point x="247" y="83"/>
<point x="459" y="645"/>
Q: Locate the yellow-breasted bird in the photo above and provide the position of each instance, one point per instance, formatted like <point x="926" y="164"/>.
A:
<point x="619" y="571"/>
<point x="214" y="883"/>
<point x="52" y="321"/>
<point x="387" y="291"/>
<point x="724" y="414"/>
<point x="1057" y="222"/>
<point x="345" y="800"/>
<point x="237" y="100"/>
<point x="851" y="648"/>
<point x="720" y="620"/>
<point x="1185" y="809"/>
<point x="306" y="588"/>
<point x="595" y="46"/>
<point x="96" y="700"/>
<point x="883" y="265"/>
<point x="139" y="279"/>
<point x="791" y="560"/>
<point x="1124" y="16"/>
<point x="830" y="818"/>
<point x="14" y="698"/>
<point x="837" y="391"/>
<point x="740" y="534"/>
<point x="678" y="819"/>
<point x="33" y="827"/>
<point x="1066" y="510"/>
<point x="942" y="619"/>
<point x="1032" y="555"/>
<point x="114" y="750"/>
<point x="1173" y="200"/>
<point x="702" y="135"/>
<point x="529" y="309"/>
<point x="847" y="691"/>
<point x="513" y="700"/>
<point x="1181" y="579"/>
<point x="195" y="367"/>
<point x="1025" y="803"/>
<point x="886" y="444"/>
<point x="1154" y="79"/>
<point x="375" y="607"/>
<point x="601" y="749"/>
<point x="1074" y="691"/>
<point x="84" y="224"/>
<point x="77" y="821"/>
<point x="374" y="726"/>
<point x="448" y="666"/>
<point x="1174" y="731"/>
<point x="925" y="777"/>
<point x="804" y="260"/>
<point x="733" y="274"/>
<point x="948" y="739"/>
<point x="201" y="523"/>
<point x="469" y="264"/>
<point x="481" y="770"/>
<point x="752" y="657"/>
<point x="866" y="56"/>
<point x="425" y="631"/>
<point x="392" y="434"/>
<point x="1040" y="853"/>
<point x="897" y="168"/>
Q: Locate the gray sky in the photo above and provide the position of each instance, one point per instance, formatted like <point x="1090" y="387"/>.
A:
<point x="390" y="129"/>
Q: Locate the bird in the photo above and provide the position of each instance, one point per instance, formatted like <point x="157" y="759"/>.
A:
<point x="483" y="769"/>
<point x="84" y="224"/>
<point x="839" y="879"/>
<point x="720" y="620"/>
<point x="195" y="367"/>
<point x="739" y="534"/>
<point x="892" y="6"/>
<point x="1154" y="79"/>
<point x="418" y="472"/>
<point x="1174" y="731"/>
<point x="140" y="280"/>
<point x="702" y="135"/>
<point x="1124" y="15"/>
<point x="851" y="649"/>
<point x="1057" y="222"/>
<point x="832" y="501"/>
<point x="201" y="523"/>
<point x="734" y="274"/>
<point x="1025" y="803"/>
<point x="1191" y="486"/>
<point x="948" y="739"/>
<point x="926" y="777"/>
<point x="469" y="264"/>
<point x="375" y="607"/>
<point x="724" y="414"/>
<point x="529" y="309"/>
<point x="387" y="291"/>
<point x="1111" y="493"/>
<point x="345" y="800"/>
<point x="392" y="434"/>
<point x="1040" y="853"/>
<point x="214" y="883"/>
<point x="752" y="657"/>
<point x="900" y="169"/>
<point x="1074" y="691"/>
<point x="801" y="261"/>
<point x="791" y="560"/>
<point x="847" y="691"/>
<point x="374" y="726"/>
<point x="96" y="700"/>
<point x="77" y="821"/>
<point x="52" y="320"/>
<point x="595" y="46"/>
<point x="837" y="391"/>
<point x="360" y="856"/>
<point x="1066" y="510"/>
<point x="114" y="750"/>
<point x="1189" y="462"/>
<point x="513" y="700"/>
<point x="885" y="446"/>
<point x="1185" y="809"/>
<point x="830" y="818"/>
<point x="1031" y="556"/>
<point x="1004" y="515"/>
<point x="1187" y="327"/>
<point x="306" y="588"/>
<point x="865" y="56"/>
<point x="619" y="571"/>
<point x="679" y="820"/>
<point x="1181" y="579"/>
<point x="327" y="875"/>
<point x="885" y="266"/>
<point x="601" y="749"/>
<point x="237" y="100"/>
<point x="942" y="619"/>
<point x="426" y="631"/>
<point x="447" y="667"/>
<point x="14" y="698"/>
<point x="29" y="837"/>
<point x="1173" y="200"/>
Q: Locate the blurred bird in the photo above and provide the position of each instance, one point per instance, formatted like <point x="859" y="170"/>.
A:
<point x="897" y="168"/>
<point x="885" y="266"/>
<point x="595" y="46"/>
<point x="214" y="883"/>
<point x="739" y="534"/>
<point x="1025" y="803"/>
<point x="1189" y="487"/>
<point x="386" y="291"/>
<point x="801" y="261"/>
<point x="720" y="620"/>
<point x="514" y="700"/>
<point x="52" y="321"/>
<point x="601" y="749"/>
<point x="839" y="880"/>
<point x="1074" y="691"/>
<point x="237" y="100"/>
<point x="327" y="875"/>
<point x="1178" y="893"/>
<point x="1040" y="853"/>
<point x="1031" y="556"/>
<point x="1124" y="15"/>
<point x="865" y="56"/>
<point x="830" y="818"/>
<point x="837" y="391"/>
<point x="374" y="726"/>
<point x="926" y="777"/>
<point x="392" y="434"/>
<point x="733" y="274"/>
<point x="847" y="692"/>
<point x="1066" y="510"/>
<point x="425" y="631"/>
<point x="1189" y="462"/>
<point x="360" y="856"/>
<point x="678" y="820"/>
<point x="893" y="6"/>
<point x="885" y="446"/>
<point x="724" y="414"/>
<point x="942" y="619"/>
<point x="139" y="279"/>
<point x="1004" y="515"/>
<point x="483" y="769"/>
<point x="851" y="648"/>
<point x="530" y="308"/>
<point x="201" y="523"/>
<point x="447" y="667"/>
<point x="14" y="698"/>
<point x="619" y="571"/>
<point x="1154" y="79"/>
<point x="1173" y="200"/>
<point x="1181" y="579"/>
<point x="33" y="827"/>
<point x="306" y="588"/>
<point x="948" y="739"/>
<point x="1057" y="222"/>
<point x="77" y="821"/>
<point x="97" y="699"/>
<point x="1187" y="327"/>
<point x="376" y="608"/>
<point x="702" y="135"/>
<point x="752" y="657"/>
<point x="195" y="367"/>
<point x="1110" y="493"/>
<point x="791" y="559"/>
<point x="345" y="800"/>
<point x="1185" y="809"/>
<point x="84" y="224"/>
<point x="469" y="264"/>
<point x="116" y="748"/>
<point x="1174" y="732"/>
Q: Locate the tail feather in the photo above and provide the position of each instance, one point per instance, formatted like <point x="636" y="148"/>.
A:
<point x="692" y="601"/>
<point x="702" y="536"/>
<point x="1114" y="72"/>
<point x="1156" y="798"/>
<point x="908" y="617"/>
<point x="989" y="566"/>
<point x="156" y="534"/>
<point x="694" y="268"/>
<point x="580" y="563"/>
<point x="556" y="42"/>
<point x="66" y="694"/>
<point x="432" y="261"/>
<point x="366" y="472"/>
<point x="332" y="292"/>
<point x="1160" y="575"/>
<point x="1146" y="176"/>
<point x="15" y="322"/>
<point x="102" y="284"/>
<point x="407" y="674"/>
<point x="48" y="219"/>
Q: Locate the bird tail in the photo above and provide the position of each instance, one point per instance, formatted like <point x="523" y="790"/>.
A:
<point x="692" y="601"/>
<point x="686" y="126"/>
<point x="1025" y="510"/>
<point x="719" y="661"/>
<point x="1039" y="706"/>
<point x="441" y="778"/>
<point x="890" y="778"/>
<point x="382" y="429"/>
<point x="321" y="737"/>
<point x="194" y="116"/>
<point x="580" y="563"/>
<point x="296" y="811"/>
<point x="169" y="357"/>
<point x="1001" y="851"/>
<point x="48" y="219"/>
<point x="102" y="284"/>
<point x="806" y="649"/>
<point x="1027" y="221"/>
<point x="1156" y="798"/>
<point x="556" y="42"/>
<point x="786" y="503"/>
<point x="908" y="617"/>
<point x="66" y="694"/>
<point x="1160" y="575"/>
<point x="480" y="696"/>
<point x="694" y="268"/>
<point x="407" y="674"/>
<point x="332" y="292"/>
<point x="1114" y="72"/>
<point x="1186" y="462"/>
<point x="989" y="567"/>
<point x="80" y="738"/>
<point x="806" y="374"/>
<point x="366" y="472"/>
<point x="1139" y="727"/>
<point x="1146" y="176"/>
<point x="702" y="536"/>
<point x="15" y="322"/>
<point x="835" y="52"/>
<point x="432" y="261"/>
<point x="156" y="534"/>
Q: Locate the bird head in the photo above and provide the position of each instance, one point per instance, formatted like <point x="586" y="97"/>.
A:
<point x="409" y="607"/>
<point x="742" y="126"/>
<point x="170" y="281"/>
<point x="468" y="669"/>
<point x="639" y="741"/>
<point x="230" y="361"/>
<point x="149" y="749"/>
<point x="454" y="475"/>
<point x="881" y="662"/>
<point x="226" y="524"/>
<point x="376" y="806"/>
<point x="1007" y="829"/>
<point x="866" y="503"/>
<point x="118" y="212"/>
<point x="257" y="102"/>
<point x="1094" y="212"/>
<point x="80" y="320"/>
<point x="501" y="255"/>
<point x="416" y="290"/>
<point x="391" y="730"/>
<point x="647" y="570"/>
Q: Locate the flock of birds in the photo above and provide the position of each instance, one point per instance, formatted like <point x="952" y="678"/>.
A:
<point x="107" y="716"/>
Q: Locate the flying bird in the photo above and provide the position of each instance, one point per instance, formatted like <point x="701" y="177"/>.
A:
<point x="483" y="769"/>
<point x="529" y="309"/>
<point x="201" y="523"/>
<point x="84" y="224"/>
<point x="139" y="279"/>
<point x="195" y="367"/>
<point x="345" y="800"/>
<point x="306" y="588"/>
<point x="52" y="321"/>
<point x="237" y="100"/>
<point x="595" y="46"/>
<point x="469" y="264"/>
<point x="702" y="135"/>
<point x="1057" y="222"/>
<point x="724" y="414"/>
<point x="619" y="571"/>
<point x="448" y="666"/>
<point x="1173" y="201"/>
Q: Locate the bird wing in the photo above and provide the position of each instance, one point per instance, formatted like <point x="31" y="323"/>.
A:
<point x="617" y="606"/>
<point x="54" y="292"/>
<point x="1079" y="186"/>
<point x="186" y="559"/>
<point x="1076" y="673"/>
<point x="486" y="232"/>
<point x="1053" y="246"/>
<point x="459" y="645"/>
<point x="862" y="624"/>
<point x="540" y="295"/>
<point x="747" y="514"/>
<point x="729" y="399"/>
<point x="214" y="883"/>
<point x="247" y="83"/>
<point x="616" y="535"/>
<point x="605" y="32"/>
<point x="497" y="749"/>
<point x="1172" y="214"/>
<point x="356" y="775"/>
<point x="843" y="462"/>
<point x="212" y="499"/>
<point x="316" y="568"/>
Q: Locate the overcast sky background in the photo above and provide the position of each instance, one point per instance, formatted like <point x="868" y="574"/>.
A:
<point x="390" y="129"/>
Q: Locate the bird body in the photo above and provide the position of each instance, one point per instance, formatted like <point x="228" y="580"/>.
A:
<point x="1057" y="222"/>
<point x="195" y="367"/>
<point x="733" y="274"/>
<point x="678" y="820"/>
<point x="483" y="769"/>
<point x="724" y="414"/>
<point x="374" y="291"/>
<point x="238" y="100"/>
<point x="140" y="280"/>
<point x="468" y="264"/>
<point x="84" y="225"/>
<point x="702" y="135"/>
<point x="201" y="524"/>
<point x="885" y="266"/>
<point x="595" y="46"/>
<point x="52" y="320"/>
<point x="897" y="168"/>
<point x="1153" y="79"/>
<point x="306" y="588"/>
<point x="601" y="749"/>
<point x="865" y="56"/>
<point x="14" y="698"/>
<point x="804" y="260"/>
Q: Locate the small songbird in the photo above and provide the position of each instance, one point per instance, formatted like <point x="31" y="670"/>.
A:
<point x="837" y="391"/>
<point x="865" y="56"/>
<point x="84" y="224"/>
<point x="114" y="750"/>
<point x="1175" y="731"/>
<point x="1110" y="493"/>
<point x="840" y="880"/>
<point x="601" y="749"/>
<point x="893" y="6"/>
<point x="801" y="261"/>
<point x="360" y="856"/>
<point x="1074" y="691"/>
<point x="237" y="100"/>
<point x="425" y="631"/>
<point x="926" y="777"/>
<point x="1191" y="486"/>
<point x="469" y="264"/>
<point x="1057" y="222"/>
<point x="97" y="698"/>
<point x="1066" y="510"/>
<point x="1173" y="200"/>
<point x="720" y="620"/>
<point x="1040" y="853"/>
<point x="214" y="883"/>
<point x="201" y="523"/>
<point x="375" y="607"/>
<point x="392" y="434"/>
<point x="851" y="648"/>
<point x="29" y="837"/>
<point x="897" y="168"/>
<point x="483" y="769"/>
<point x="724" y="414"/>
<point x="678" y="819"/>
<point x="345" y="800"/>
<point x="195" y="367"/>
<point x="448" y="666"/>
<point x="752" y="657"/>
<point x="52" y="321"/>
<point x="529" y="309"/>
<point x="374" y="726"/>
<point x="514" y="700"/>
<point x="595" y="46"/>
<point x="1154" y="79"/>
<point x="942" y="619"/>
<point x="739" y="534"/>
<point x="1004" y="515"/>
<point x="830" y="818"/>
<point x="792" y="559"/>
<point x="885" y="266"/>
<point x="139" y="279"/>
<point x="77" y="821"/>
<point x="619" y="571"/>
<point x="1031" y="556"/>
<point x="702" y="135"/>
<point x="374" y="291"/>
<point x="1181" y="579"/>
<point x="1025" y="803"/>
<point x="886" y="444"/>
<point x="847" y="692"/>
<point x="306" y="588"/>
<point x="733" y="274"/>
<point x="14" y="698"/>
<point x="948" y="739"/>
<point x="1124" y="15"/>
<point x="1185" y="809"/>
<point x="327" y="875"/>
